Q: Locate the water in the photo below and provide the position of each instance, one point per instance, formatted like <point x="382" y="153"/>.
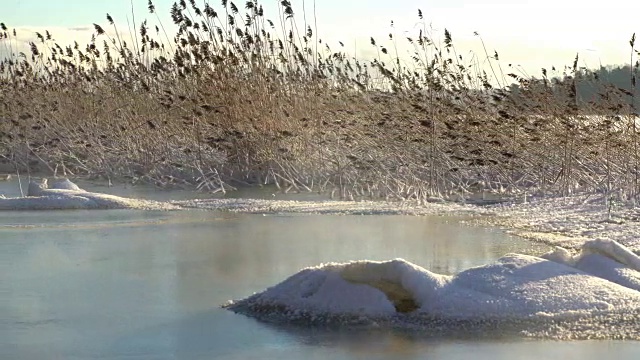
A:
<point x="147" y="285"/>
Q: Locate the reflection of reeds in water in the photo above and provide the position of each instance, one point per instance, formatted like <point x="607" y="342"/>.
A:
<point x="237" y="99"/>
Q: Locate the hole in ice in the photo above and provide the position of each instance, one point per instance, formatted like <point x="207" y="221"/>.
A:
<point x="400" y="297"/>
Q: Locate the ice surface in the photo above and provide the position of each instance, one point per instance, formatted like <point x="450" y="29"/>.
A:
<point x="593" y="284"/>
<point x="64" y="194"/>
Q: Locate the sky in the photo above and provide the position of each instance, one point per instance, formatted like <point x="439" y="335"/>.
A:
<point x="527" y="34"/>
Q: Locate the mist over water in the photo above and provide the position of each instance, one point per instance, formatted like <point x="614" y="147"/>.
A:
<point x="149" y="285"/>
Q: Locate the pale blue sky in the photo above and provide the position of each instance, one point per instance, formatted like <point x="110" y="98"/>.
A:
<point x="77" y="12"/>
<point x="532" y="34"/>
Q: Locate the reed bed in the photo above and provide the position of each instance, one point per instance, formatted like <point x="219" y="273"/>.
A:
<point x="235" y="99"/>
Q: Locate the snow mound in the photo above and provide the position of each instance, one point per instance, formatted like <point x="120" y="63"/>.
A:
<point x="64" y="194"/>
<point x="605" y="259"/>
<point x="518" y="289"/>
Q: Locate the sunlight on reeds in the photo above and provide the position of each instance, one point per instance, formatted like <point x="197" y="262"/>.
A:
<point x="234" y="98"/>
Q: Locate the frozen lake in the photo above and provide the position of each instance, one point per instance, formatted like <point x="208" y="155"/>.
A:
<point x="123" y="284"/>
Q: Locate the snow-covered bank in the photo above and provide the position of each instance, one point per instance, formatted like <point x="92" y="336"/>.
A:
<point x="65" y="195"/>
<point x="261" y="206"/>
<point x="568" y="222"/>
<point x="589" y="295"/>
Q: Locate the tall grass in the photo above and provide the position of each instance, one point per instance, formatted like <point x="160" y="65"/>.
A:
<point x="235" y="99"/>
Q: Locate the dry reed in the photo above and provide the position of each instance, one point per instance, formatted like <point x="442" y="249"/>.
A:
<point x="235" y="99"/>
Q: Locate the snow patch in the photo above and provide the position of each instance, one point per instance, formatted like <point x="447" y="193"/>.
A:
<point x="64" y="194"/>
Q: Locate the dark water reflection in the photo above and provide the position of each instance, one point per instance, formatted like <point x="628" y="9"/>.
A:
<point x="148" y="285"/>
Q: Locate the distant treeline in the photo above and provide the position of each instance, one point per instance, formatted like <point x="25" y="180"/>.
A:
<point x="610" y="89"/>
<point x="597" y="85"/>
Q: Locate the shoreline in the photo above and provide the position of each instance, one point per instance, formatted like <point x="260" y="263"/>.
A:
<point x="564" y="221"/>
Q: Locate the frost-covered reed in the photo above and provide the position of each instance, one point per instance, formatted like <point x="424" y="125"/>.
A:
<point x="234" y="98"/>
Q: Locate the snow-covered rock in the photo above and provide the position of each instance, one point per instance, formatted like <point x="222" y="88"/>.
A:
<point x="65" y="184"/>
<point x="37" y="188"/>
<point x="515" y="287"/>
